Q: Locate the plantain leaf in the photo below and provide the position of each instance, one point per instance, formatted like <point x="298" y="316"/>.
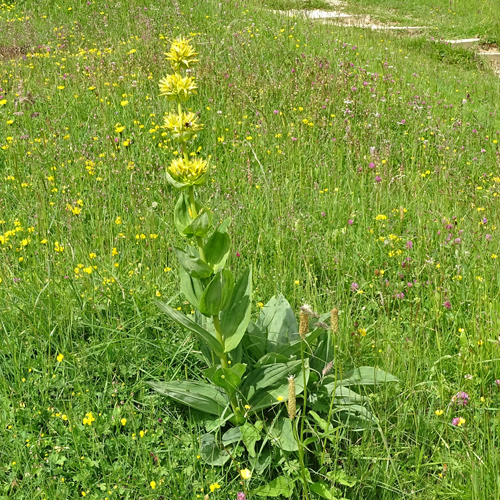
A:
<point x="278" y="321"/>
<point x="197" y="395"/>
<point x="217" y="246"/>
<point x="324" y="491"/>
<point x="250" y="436"/>
<point x="281" y="486"/>
<point x="268" y="385"/>
<point x="190" y="260"/>
<point x="211" y="452"/>
<point x="236" y="316"/>
<point x="193" y="327"/>
<point x="217" y="294"/>
<point x="366" y="375"/>
<point x="282" y="433"/>
<point x="231" y="436"/>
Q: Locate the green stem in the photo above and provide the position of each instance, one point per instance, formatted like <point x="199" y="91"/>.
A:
<point x="225" y="364"/>
<point x="194" y="214"/>
<point x="300" y="439"/>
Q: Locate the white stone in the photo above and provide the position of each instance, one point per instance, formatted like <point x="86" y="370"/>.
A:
<point x="465" y="43"/>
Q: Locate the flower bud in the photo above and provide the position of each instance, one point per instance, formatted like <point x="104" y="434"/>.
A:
<point x="292" y="408"/>
<point x="304" y="324"/>
<point x="334" y="320"/>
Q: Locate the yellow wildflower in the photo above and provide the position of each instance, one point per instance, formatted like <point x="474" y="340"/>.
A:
<point x="182" y="126"/>
<point x="177" y="87"/>
<point x="188" y="171"/>
<point x="245" y="474"/>
<point x="181" y="54"/>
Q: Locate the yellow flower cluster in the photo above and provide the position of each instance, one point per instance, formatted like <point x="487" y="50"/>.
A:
<point x="182" y="126"/>
<point x="181" y="54"/>
<point x="176" y="86"/>
<point x="188" y="172"/>
<point x="88" y="419"/>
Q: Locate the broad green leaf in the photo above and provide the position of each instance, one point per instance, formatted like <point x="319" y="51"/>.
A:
<point x="208" y="325"/>
<point x="366" y="375"/>
<point x="255" y="341"/>
<point x="323" y="424"/>
<point x="182" y="216"/>
<point x="250" y="436"/>
<point x="267" y="386"/>
<point x="278" y="320"/>
<point x="281" y="486"/>
<point x="342" y="393"/>
<point x="236" y="316"/>
<point x="357" y="417"/>
<point x="217" y="246"/>
<point x="201" y="225"/>
<point x="228" y="378"/>
<point x="211" y="452"/>
<point x="192" y="288"/>
<point x="197" y="395"/>
<point x="324" y="491"/>
<point x="261" y="461"/>
<point x="270" y="359"/>
<point x="293" y="347"/>
<point x="233" y="435"/>
<point x="193" y="327"/>
<point x="324" y="351"/>
<point x="217" y="294"/>
<point x="340" y="477"/>
<point x="190" y="260"/>
<point x="282" y="432"/>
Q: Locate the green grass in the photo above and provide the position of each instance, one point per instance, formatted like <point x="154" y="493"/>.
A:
<point x="294" y="114"/>
<point x="445" y="18"/>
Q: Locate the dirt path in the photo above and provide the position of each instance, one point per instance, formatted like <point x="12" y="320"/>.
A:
<point x="342" y="18"/>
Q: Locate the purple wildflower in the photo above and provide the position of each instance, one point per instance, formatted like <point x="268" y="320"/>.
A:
<point x="497" y="381"/>
<point x="409" y="244"/>
<point x="447" y="304"/>
<point x="371" y="165"/>
<point x="354" y="286"/>
<point x="350" y="222"/>
<point x="378" y="179"/>
<point x="240" y="496"/>
<point x="461" y="398"/>
<point x="487" y="237"/>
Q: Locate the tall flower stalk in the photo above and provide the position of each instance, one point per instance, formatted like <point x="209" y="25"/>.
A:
<point x="204" y="281"/>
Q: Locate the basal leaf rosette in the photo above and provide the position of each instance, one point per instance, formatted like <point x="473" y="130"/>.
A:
<point x="176" y="87"/>
<point x="181" y="54"/>
<point x="182" y="127"/>
<point x="183" y="173"/>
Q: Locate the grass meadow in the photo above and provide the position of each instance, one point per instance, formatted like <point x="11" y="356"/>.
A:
<point x="361" y="170"/>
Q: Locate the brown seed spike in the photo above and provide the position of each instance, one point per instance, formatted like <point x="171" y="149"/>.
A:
<point x="292" y="408"/>
<point x="304" y="324"/>
<point x="334" y="320"/>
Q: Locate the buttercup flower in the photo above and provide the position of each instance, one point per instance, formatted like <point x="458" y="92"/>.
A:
<point x="181" y="54"/>
<point x="177" y="87"/>
<point x="245" y="474"/>
<point x="188" y="172"/>
<point x="181" y="126"/>
<point x="214" y="486"/>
